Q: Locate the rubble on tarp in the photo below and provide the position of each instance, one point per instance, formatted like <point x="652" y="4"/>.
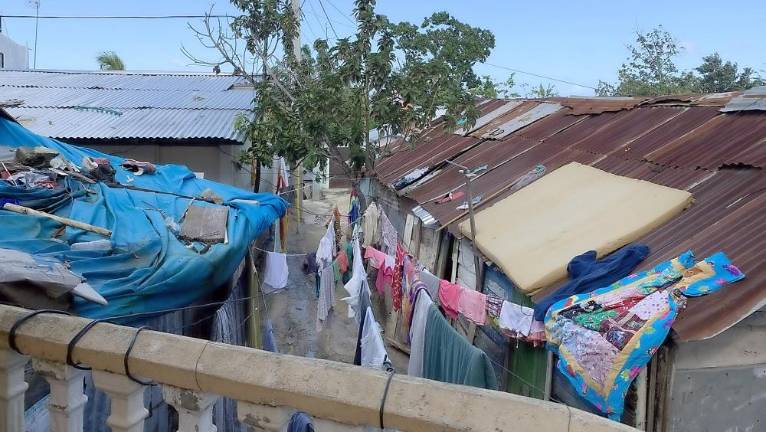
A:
<point x="38" y="282"/>
<point x="205" y="224"/>
<point x="143" y="265"/>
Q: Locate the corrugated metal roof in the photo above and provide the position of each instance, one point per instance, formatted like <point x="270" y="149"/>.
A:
<point x="753" y="99"/>
<point x="126" y="105"/>
<point x="54" y="97"/>
<point x="118" y="80"/>
<point x="129" y="123"/>
<point x="680" y="142"/>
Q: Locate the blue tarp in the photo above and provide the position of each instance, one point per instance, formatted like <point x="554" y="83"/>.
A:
<point x="148" y="268"/>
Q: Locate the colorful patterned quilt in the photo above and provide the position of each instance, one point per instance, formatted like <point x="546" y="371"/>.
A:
<point x="605" y="337"/>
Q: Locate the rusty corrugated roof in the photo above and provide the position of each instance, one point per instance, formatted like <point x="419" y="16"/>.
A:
<point x="684" y="142"/>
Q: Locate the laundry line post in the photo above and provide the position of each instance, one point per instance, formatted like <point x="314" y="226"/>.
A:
<point x="476" y="260"/>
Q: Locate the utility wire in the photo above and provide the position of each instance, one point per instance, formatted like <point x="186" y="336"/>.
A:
<point x="130" y="17"/>
<point x="328" y="19"/>
<point x="343" y="14"/>
<point x="540" y="76"/>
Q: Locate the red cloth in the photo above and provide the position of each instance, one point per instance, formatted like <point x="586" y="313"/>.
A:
<point x="473" y="305"/>
<point x="396" y="283"/>
<point x="342" y="261"/>
<point x="449" y="297"/>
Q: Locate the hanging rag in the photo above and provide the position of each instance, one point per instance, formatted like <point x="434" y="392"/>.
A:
<point x="357" y="282"/>
<point x="336" y="226"/>
<point x="449" y="298"/>
<point x="364" y="303"/>
<point x="376" y="257"/>
<point x="373" y="348"/>
<point x="423" y="304"/>
<point x="473" y="305"/>
<point x="370" y="224"/>
<point x="494" y="306"/>
<point x="431" y="282"/>
<point x="326" y="295"/>
<point x="515" y="318"/>
<point x="448" y="357"/>
<point x="604" y="338"/>
<point x="300" y="422"/>
<point x="353" y="213"/>
<point x="275" y="274"/>
<point x="586" y="273"/>
<point x="390" y="237"/>
<point x="326" y="249"/>
<point x="396" y="284"/>
<point x="342" y="261"/>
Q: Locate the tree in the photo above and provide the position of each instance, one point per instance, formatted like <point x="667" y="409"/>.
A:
<point x="650" y="69"/>
<point x="109" y="60"/>
<point x="716" y="76"/>
<point x="390" y="76"/>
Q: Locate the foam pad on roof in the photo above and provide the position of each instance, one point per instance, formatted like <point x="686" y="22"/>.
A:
<point x="534" y="233"/>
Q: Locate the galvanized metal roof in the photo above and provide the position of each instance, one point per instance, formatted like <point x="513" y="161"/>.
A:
<point x="126" y="105"/>
<point x="681" y="142"/>
<point x="117" y="80"/>
<point x="753" y="99"/>
<point x="129" y="123"/>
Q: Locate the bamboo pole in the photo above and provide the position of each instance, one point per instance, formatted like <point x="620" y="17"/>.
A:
<point x="62" y="220"/>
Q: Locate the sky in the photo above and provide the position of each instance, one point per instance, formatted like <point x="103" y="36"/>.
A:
<point x="580" y="42"/>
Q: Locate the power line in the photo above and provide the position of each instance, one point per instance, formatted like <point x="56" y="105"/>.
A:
<point x="328" y="19"/>
<point x="540" y="76"/>
<point x="115" y="16"/>
<point x="342" y="13"/>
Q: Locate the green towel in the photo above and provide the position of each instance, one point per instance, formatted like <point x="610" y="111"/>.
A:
<point x="448" y="357"/>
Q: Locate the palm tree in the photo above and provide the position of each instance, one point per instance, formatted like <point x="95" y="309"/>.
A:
<point x="108" y="60"/>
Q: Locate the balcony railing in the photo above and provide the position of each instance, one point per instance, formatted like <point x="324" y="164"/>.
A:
<point x="269" y="387"/>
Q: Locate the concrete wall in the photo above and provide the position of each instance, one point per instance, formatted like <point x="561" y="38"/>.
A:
<point x="14" y="55"/>
<point x="218" y="163"/>
<point x="719" y="384"/>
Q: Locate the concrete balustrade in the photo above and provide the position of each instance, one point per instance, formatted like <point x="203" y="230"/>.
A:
<point x="269" y="387"/>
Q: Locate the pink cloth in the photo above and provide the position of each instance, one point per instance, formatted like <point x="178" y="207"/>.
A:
<point x="385" y="275"/>
<point x="449" y="297"/>
<point x="473" y="305"/>
<point x="376" y="257"/>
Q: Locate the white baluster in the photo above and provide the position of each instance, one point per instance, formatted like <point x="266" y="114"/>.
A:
<point x="66" y="404"/>
<point x="195" y="409"/>
<point x="128" y="412"/>
<point x="12" y="388"/>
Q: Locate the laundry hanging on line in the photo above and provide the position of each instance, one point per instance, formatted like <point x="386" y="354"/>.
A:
<point x="604" y="338"/>
<point x="276" y="273"/>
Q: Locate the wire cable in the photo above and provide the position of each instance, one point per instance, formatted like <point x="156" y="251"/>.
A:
<point x="540" y="76"/>
<point x="127" y="17"/>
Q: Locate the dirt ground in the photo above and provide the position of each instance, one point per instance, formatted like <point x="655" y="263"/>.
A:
<point x="292" y="311"/>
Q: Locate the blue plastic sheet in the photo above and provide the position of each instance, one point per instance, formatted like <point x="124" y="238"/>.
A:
<point x="148" y="269"/>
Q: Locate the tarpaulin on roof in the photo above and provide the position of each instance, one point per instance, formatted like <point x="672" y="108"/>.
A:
<point x="148" y="268"/>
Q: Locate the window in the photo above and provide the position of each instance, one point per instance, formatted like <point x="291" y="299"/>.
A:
<point x="2" y="61"/>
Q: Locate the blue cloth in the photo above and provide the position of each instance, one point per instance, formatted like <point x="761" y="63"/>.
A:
<point x="586" y="273"/>
<point x="300" y="422"/>
<point x="148" y="269"/>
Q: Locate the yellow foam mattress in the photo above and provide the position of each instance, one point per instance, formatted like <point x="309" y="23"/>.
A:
<point x="534" y="233"/>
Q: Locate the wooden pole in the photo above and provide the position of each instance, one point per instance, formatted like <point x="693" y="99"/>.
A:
<point x="62" y="220"/>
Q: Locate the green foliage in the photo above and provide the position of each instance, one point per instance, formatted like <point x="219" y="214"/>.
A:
<point x="651" y="71"/>
<point x="109" y="60"/>
<point x="716" y="76"/>
<point x="394" y="76"/>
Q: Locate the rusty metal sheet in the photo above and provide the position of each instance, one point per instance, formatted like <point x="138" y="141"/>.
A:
<point x="627" y="127"/>
<point x="581" y="106"/>
<point x="717" y="142"/>
<point x="682" y="124"/>
<point x="521" y="120"/>
<point x="425" y="154"/>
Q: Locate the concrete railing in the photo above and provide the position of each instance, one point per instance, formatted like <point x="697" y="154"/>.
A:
<point x="194" y="373"/>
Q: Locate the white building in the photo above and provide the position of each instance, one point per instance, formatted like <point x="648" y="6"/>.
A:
<point x="12" y="55"/>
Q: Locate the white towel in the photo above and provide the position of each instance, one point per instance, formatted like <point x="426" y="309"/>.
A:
<point x="275" y="275"/>
<point x="516" y="318"/>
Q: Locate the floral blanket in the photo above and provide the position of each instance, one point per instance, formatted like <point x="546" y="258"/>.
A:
<point x="605" y="337"/>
